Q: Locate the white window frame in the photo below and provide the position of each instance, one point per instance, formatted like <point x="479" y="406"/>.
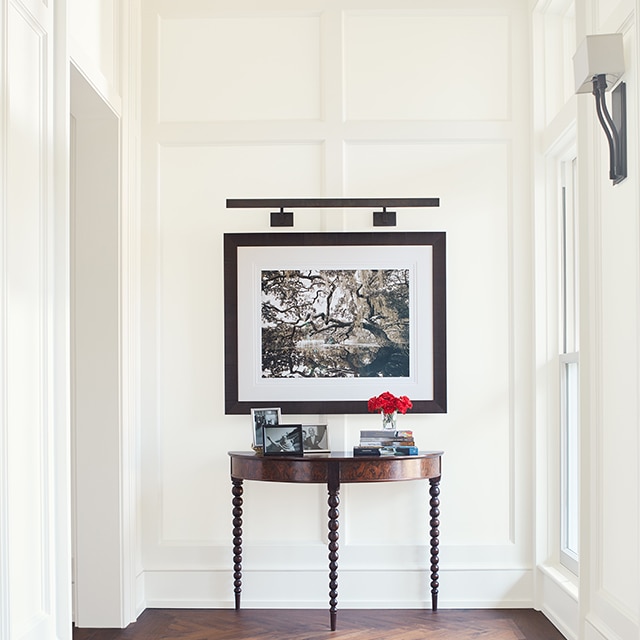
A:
<point x="569" y="373"/>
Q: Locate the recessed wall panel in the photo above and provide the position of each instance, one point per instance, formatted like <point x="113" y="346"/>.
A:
<point x="193" y="186"/>
<point x="477" y="222"/>
<point x="239" y="68"/>
<point x="25" y="409"/>
<point x="618" y="443"/>
<point x="610" y="15"/>
<point x="419" y="67"/>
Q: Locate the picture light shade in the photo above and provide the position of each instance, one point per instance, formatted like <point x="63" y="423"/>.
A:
<point x="601" y="54"/>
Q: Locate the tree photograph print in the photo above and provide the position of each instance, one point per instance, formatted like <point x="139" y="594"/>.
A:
<point x="344" y="323"/>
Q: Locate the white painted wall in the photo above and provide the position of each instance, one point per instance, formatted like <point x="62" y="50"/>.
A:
<point x="35" y="561"/>
<point x="98" y="44"/>
<point x="610" y="585"/>
<point x="246" y="100"/>
<point x="103" y="49"/>
<point x="35" y="372"/>
<point x="605" y="601"/>
<point x="95" y="361"/>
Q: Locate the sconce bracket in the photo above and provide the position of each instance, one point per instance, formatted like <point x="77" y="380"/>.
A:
<point x="613" y="124"/>
<point x="619" y="115"/>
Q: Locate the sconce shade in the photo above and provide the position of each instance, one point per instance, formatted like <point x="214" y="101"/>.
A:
<point x="598" y="55"/>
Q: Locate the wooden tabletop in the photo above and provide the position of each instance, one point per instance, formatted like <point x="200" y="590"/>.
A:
<point x="340" y="465"/>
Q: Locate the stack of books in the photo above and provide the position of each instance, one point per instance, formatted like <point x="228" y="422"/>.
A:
<point x="386" y="442"/>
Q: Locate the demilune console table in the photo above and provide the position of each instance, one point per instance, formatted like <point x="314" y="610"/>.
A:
<point x="333" y="469"/>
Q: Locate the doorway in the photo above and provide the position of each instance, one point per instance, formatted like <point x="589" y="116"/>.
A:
<point x="95" y="359"/>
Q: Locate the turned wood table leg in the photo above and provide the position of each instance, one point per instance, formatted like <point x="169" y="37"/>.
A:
<point x="334" y="501"/>
<point x="237" y="491"/>
<point x="434" y="512"/>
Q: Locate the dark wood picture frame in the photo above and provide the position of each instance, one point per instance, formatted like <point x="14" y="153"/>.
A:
<point x="429" y="247"/>
<point x="282" y="440"/>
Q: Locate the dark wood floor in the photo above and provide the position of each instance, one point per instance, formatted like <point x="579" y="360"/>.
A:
<point x="304" y="624"/>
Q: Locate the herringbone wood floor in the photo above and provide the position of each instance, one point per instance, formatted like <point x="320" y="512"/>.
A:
<point x="297" y="624"/>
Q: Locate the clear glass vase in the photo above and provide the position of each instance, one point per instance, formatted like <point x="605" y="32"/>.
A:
<point x="389" y="420"/>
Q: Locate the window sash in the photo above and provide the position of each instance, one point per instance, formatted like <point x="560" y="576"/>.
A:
<point x="569" y="371"/>
<point x="569" y="463"/>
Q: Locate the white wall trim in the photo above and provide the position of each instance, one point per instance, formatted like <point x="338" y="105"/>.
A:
<point x="597" y="629"/>
<point x="128" y="80"/>
<point x="60" y="333"/>
<point x="5" y="611"/>
<point x="357" y="589"/>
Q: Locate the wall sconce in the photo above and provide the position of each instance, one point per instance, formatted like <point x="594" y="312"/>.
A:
<point x="598" y="64"/>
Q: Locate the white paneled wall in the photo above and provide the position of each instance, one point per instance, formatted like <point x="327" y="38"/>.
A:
<point x="242" y="98"/>
<point x="35" y="344"/>
<point x="604" y="601"/>
<point x="407" y="65"/>
<point x="29" y="540"/>
<point x="611" y="586"/>
<point x="264" y="82"/>
<point x="35" y="580"/>
<point x="246" y="100"/>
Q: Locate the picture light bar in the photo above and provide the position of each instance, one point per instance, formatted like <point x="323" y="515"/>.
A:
<point x="284" y="218"/>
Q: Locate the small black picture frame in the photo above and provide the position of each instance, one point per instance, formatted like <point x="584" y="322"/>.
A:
<point x="263" y="417"/>
<point x="283" y="440"/>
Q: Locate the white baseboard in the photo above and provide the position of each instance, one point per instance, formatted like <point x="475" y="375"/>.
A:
<point x="559" y="601"/>
<point x="141" y="602"/>
<point x="359" y="589"/>
<point x="596" y="630"/>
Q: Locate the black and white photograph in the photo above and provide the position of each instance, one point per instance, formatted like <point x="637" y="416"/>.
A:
<point x="263" y="418"/>
<point x="315" y="438"/>
<point x="335" y="323"/>
<point x="285" y="439"/>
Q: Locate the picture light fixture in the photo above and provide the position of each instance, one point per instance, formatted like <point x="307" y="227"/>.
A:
<point x="284" y="218"/>
<point x="598" y="64"/>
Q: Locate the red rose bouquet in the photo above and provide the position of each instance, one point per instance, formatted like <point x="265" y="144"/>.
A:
<point x="388" y="403"/>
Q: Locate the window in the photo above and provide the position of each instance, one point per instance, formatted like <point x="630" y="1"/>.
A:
<point x="569" y="371"/>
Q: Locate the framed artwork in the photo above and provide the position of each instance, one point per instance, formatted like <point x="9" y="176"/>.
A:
<point x="263" y="417"/>
<point x="315" y="438"/>
<point x="284" y="439"/>
<point x="317" y="323"/>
